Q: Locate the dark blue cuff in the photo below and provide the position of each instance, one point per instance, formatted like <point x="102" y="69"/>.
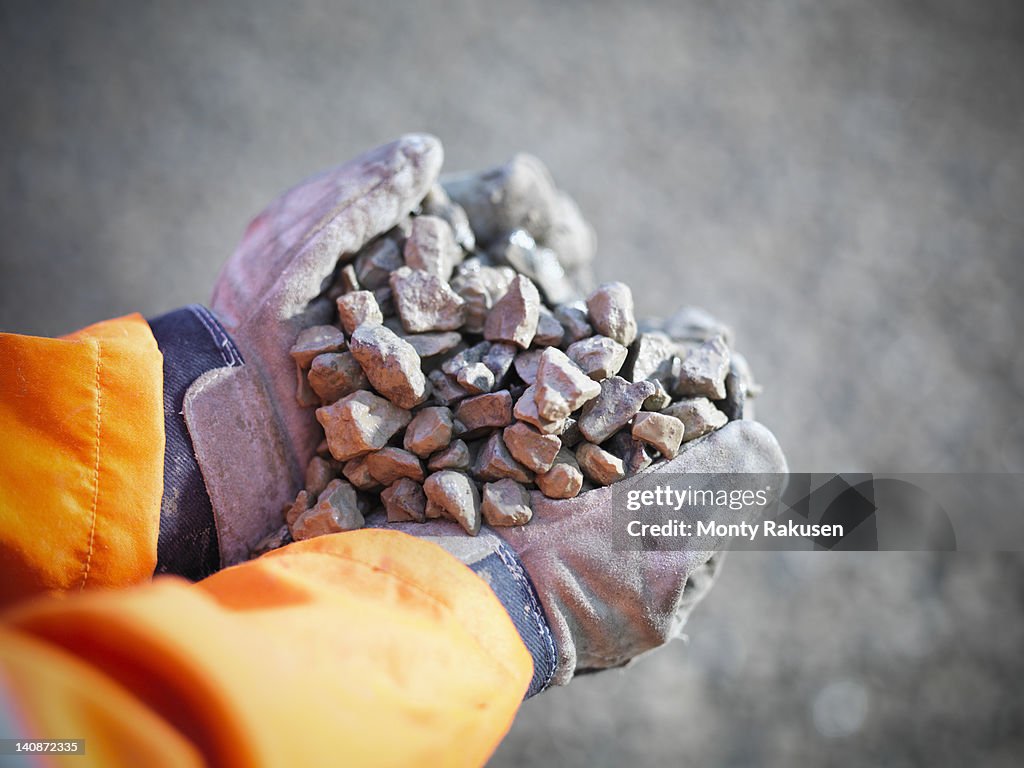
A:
<point x="192" y="343"/>
<point x="508" y="579"/>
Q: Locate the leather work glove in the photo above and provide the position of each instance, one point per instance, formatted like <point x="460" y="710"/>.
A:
<point x="251" y="438"/>
<point x="591" y="606"/>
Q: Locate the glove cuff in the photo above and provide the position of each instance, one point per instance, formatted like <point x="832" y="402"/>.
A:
<point x="192" y="342"/>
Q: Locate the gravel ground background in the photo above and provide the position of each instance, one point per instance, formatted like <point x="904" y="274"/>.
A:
<point x="842" y="181"/>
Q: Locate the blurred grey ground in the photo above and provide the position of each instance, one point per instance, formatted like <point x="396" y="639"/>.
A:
<point x="842" y="181"/>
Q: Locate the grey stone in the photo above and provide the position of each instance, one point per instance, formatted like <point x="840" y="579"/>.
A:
<point x="482" y="412"/>
<point x="740" y="390"/>
<point x="319" y="472"/>
<point x="574" y="321"/>
<point x="467" y="356"/>
<point x="518" y="194"/>
<point x="564" y="479"/>
<point x="360" y="423"/>
<point x="314" y="341"/>
<point x="660" y="430"/>
<point x="455" y="456"/>
<point x="506" y="502"/>
<point x="694" y="324"/>
<point x="618" y="402"/>
<point x="336" y="510"/>
<point x="273" y="540"/>
<point x="515" y="316"/>
<point x="526" y="410"/>
<point x="633" y="453"/>
<point x="598" y="356"/>
<point x="610" y="310"/>
<point x="458" y="496"/>
<point x="437" y="203"/>
<point x="336" y="374"/>
<point x="385" y="300"/>
<point x="358" y="308"/>
<point x="431" y="247"/>
<point x="357" y="472"/>
<point x="432" y="344"/>
<point x="476" y="378"/>
<point x="540" y="264"/>
<point x="598" y="465"/>
<point x="389" y="464"/>
<point x="703" y="370"/>
<point x="495" y="462"/>
<point x="480" y="286"/>
<point x="570" y="433"/>
<point x="561" y="387"/>
<point x="405" y="500"/>
<point x="499" y="360"/>
<point x="531" y="448"/>
<point x="526" y="364"/>
<point x="571" y="237"/>
<point x="391" y="365"/>
<point x="444" y="388"/>
<point x="549" y="331"/>
<point x="652" y="356"/>
<point x="429" y="431"/>
<point x="698" y="416"/>
<point x="659" y="400"/>
<point x="426" y="303"/>
<point x="376" y="262"/>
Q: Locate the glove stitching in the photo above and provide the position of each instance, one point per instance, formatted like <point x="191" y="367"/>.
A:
<point x="228" y="351"/>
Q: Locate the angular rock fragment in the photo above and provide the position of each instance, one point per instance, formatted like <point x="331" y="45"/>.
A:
<point x="458" y="496"/>
<point x="357" y="472"/>
<point x="481" y="412"/>
<point x="273" y="540"/>
<point x="694" y="324"/>
<point x="739" y="390"/>
<point x="506" y="502"/>
<point x="660" y="430"/>
<point x="618" y="402"/>
<point x="455" y="456"/>
<point x="391" y="365"/>
<point x="389" y="464"/>
<point x="347" y="280"/>
<point x="549" y="331"/>
<point x="598" y="356"/>
<point x="432" y="344"/>
<point x="376" y="262"/>
<point x="659" y="400"/>
<point x="303" y="501"/>
<point x="499" y="360"/>
<point x="358" y="308"/>
<point x="610" y="309"/>
<point x="425" y="303"/>
<point x="429" y="431"/>
<point x="336" y="510"/>
<point x="519" y="250"/>
<point x="564" y="479"/>
<point x="431" y="247"/>
<point x="319" y="473"/>
<point x="385" y="300"/>
<point x="467" y="356"/>
<point x="304" y="394"/>
<point x="476" y="378"/>
<point x="570" y="433"/>
<point x="633" y="452"/>
<point x="526" y="410"/>
<point x="598" y="465"/>
<point x="529" y="447"/>
<point x="437" y="203"/>
<point x="653" y="356"/>
<point x="495" y="462"/>
<point x="515" y="316"/>
<point x="445" y="389"/>
<point x="526" y="364"/>
<point x="336" y="374"/>
<point x="360" y="423"/>
<point x="561" y="387"/>
<point x="703" y="370"/>
<point x="698" y="416"/>
<point x="481" y="287"/>
<point x="316" y="341"/>
<point x="574" y="322"/>
<point x="404" y="500"/>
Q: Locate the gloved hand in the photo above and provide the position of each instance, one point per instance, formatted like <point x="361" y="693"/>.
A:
<point x="251" y="437"/>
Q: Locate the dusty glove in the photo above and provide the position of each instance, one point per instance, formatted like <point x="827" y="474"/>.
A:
<point x="251" y="438"/>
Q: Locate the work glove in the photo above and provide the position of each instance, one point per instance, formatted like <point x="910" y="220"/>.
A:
<point x="581" y="603"/>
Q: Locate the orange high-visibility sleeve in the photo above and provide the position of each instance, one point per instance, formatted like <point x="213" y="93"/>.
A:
<point x="81" y="458"/>
<point x="362" y="648"/>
